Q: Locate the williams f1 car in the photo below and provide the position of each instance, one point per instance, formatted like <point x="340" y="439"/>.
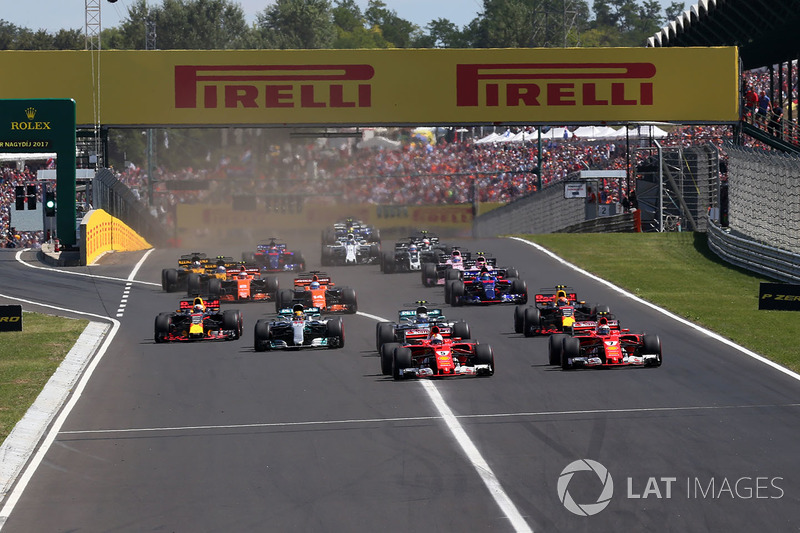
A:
<point x="298" y="327"/>
<point x="198" y="320"/>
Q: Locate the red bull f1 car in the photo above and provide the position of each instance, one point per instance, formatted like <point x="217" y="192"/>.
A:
<point x="437" y="357"/>
<point x="555" y="311"/>
<point x="198" y="320"/>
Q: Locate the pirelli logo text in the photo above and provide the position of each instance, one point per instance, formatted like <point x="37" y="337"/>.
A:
<point x="272" y="86"/>
<point x="554" y="84"/>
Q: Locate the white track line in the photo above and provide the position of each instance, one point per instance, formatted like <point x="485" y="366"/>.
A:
<point x="18" y="257"/>
<point x="664" y="312"/>
<point x="471" y="451"/>
<point x="349" y="421"/>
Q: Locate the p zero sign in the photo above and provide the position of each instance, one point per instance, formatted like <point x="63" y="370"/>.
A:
<point x="779" y="296"/>
<point x="387" y="87"/>
<point x="10" y="318"/>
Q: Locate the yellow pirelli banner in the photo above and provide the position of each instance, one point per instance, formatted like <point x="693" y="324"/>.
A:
<point x="396" y="86"/>
<point x="101" y="232"/>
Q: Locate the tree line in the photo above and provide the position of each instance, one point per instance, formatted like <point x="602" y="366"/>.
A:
<point x="342" y="24"/>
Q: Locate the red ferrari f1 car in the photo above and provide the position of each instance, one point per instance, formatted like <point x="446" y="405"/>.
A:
<point x="604" y="347"/>
<point x="437" y="357"/>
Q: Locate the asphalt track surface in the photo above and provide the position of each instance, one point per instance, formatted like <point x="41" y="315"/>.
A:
<point x="195" y="437"/>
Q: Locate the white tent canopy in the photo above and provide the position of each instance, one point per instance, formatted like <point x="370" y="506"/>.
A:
<point x="379" y="142"/>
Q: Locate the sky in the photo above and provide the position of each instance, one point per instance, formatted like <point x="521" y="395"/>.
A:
<point x="54" y="15"/>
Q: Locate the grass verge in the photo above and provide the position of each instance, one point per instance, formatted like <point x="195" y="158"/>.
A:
<point x="677" y="271"/>
<point x="27" y="360"/>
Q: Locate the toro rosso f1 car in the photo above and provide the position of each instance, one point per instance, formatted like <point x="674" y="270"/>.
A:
<point x="437" y="357"/>
<point x="198" y="320"/>
<point x="486" y="288"/>
<point x="274" y="256"/>
<point x="604" y="347"/>
<point x="298" y="327"/>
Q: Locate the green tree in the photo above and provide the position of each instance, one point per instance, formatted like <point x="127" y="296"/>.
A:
<point x="674" y="10"/>
<point x="187" y="24"/>
<point x="8" y="35"/>
<point x="351" y="31"/>
<point x="397" y="31"/>
<point x="294" y="24"/>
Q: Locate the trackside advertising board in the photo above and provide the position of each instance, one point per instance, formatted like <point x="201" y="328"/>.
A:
<point x="390" y="87"/>
<point x="10" y="318"/>
<point x="779" y="296"/>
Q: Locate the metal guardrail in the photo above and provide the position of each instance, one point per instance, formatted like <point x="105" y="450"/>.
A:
<point x="622" y="223"/>
<point x="746" y="253"/>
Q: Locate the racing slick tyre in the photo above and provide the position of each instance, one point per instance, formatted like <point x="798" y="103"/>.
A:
<point x="283" y="299"/>
<point x="428" y="274"/>
<point x="461" y="330"/>
<point x="170" y="279"/>
<point x="387" y="352"/>
<point x="400" y="360"/>
<point x="232" y="320"/>
<point x="452" y="273"/>
<point x="325" y="256"/>
<point x="261" y="336"/>
<point x="484" y="355"/>
<point x="652" y="344"/>
<point x="571" y="348"/>
<point x="164" y="279"/>
<point x="271" y="284"/>
<point x="336" y="329"/>
<point x="447" y="286"/>
<point x="519" y="318"/>
<point x="389" y="266"/>
<point x="554" y="348"/>
<point x="299" y="261"/>
<point x="531" y="321"/>
<point x="512" y="273"/>
<point x="193" y="284"/>
<point x="214" y="288"/>
<point x="162" y="324"/>
<point x="384" y="333"/>
<point x="519" y="286"/>
<point x="374" y="250"/>
<point x="456" y="293"/>
<point x="349" y="299"/>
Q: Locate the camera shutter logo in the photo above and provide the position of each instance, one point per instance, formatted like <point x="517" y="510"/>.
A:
<point x="586" y="509"/>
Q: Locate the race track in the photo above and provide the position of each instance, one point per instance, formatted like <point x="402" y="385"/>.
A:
<point x="198" y="437"/>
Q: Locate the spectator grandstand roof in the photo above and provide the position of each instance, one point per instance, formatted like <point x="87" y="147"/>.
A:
<point x="766" y="31"/>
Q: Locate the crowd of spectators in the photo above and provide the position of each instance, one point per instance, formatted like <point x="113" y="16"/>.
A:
<point x="418" y="173"/>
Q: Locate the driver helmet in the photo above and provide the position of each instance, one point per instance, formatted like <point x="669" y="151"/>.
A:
<point x="351" y="238"/>
<point x="456" y="256"/>
<point x="198" y="308"/>
<point x="437" y="338"/>
<point x="412" y="248"/>
<point x="422" y="313"/>
<point x="426" y="242"/>
<point x="315" y="284"/>
<point x="480" y="261"/>
<point x="561" y="298"/>
<point x="603" y="329"/>
<point x="485" y="273"/>
<point x="297" y="311"/>
<point x="221" y="269"/>
<point x="196" y="264"/>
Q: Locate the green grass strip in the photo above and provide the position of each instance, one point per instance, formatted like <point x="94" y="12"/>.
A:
<point x="27" y="360"/>
<point x="677" y="271"/>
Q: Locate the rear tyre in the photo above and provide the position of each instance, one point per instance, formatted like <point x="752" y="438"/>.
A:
<point x="457" y="293"/>
<point x="193" y="284"/>
<point x="461" y="330"/>
<point x="519" y="319"/>
<point x="571" y="348"/>
<point x="484" y="355"/>
<point x="512" y="273"/>
<point x="387" y="352"/>
<point x="452" y="273"/>
<point x="214" y="288"/>
<point x="401" y="360"/>
<point x="336" y="329"/>
<point x="384" y="333"/>
<point x="261" y="336"/>
<point x="171" y="276"/>
<point x="284" y="299"/>
<point x="554" y="348"/>
<point x="428" y="274"/>
<point x="232" y="320"/>
<point x="531" y="321"/>
<point x="651" y="344"/>
<point x="271" y="283"/>
<point x="519" y="286"/>
<point x="447" y="286"/>
<point x="349" y="299"/>
<point x="162" y="324"/>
